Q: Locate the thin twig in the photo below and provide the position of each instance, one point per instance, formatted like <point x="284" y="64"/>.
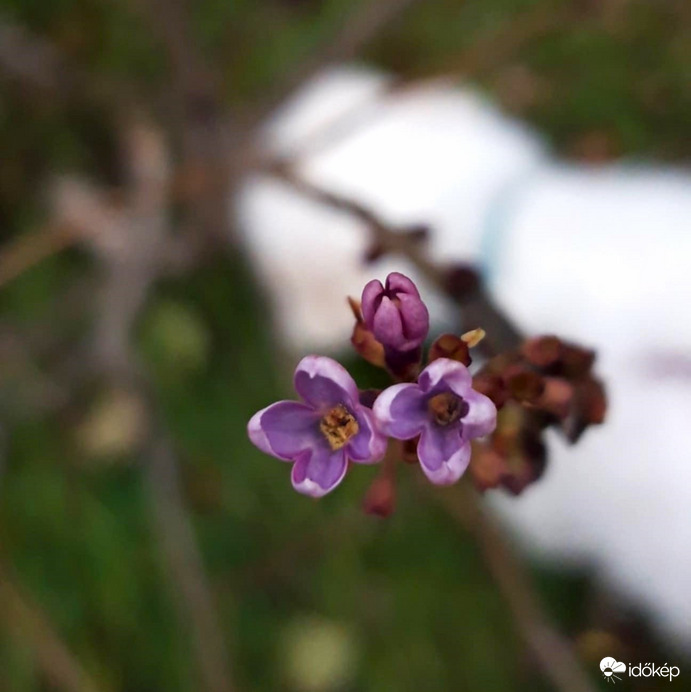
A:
<point x="178" y="543"/>
<point x="26" y="251"/>
<point x="59" y="666"/>
<point x="549" y="648"/>
<point x="130" y="273"/>
<point x="205" y="134"/>
<point x="37" y="63"/>
<point x="478" y="307"/>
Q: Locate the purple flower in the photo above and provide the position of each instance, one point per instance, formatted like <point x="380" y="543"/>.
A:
<point x="321" y="432"/>
<point x="394" y="313"/>
<point x="445" y="411"/>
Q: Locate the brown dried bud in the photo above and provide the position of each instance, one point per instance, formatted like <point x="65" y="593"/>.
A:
<point x="528" y="466"/>
<point x="487" y="467"/>
<point x="491" y="386"/>
<point x="543" y="351"/>
<point x="367" y="346"/>
<point x="526" y="386"/>
<point x="380" y="499"/>
<point x="589" y="408"/>
<point x="452" y="347"/>
<point x="557" y="397"/>
<point x="363" y="340"/>
<point x="499" y="364"/>
<point x="592" y="400"/>
<point x="575" y="361"/>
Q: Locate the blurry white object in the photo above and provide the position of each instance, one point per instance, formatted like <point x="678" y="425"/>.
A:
<point x="598" y="255"/>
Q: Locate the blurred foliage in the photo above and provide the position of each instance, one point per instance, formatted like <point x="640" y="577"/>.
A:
<point x="313" y="597"/>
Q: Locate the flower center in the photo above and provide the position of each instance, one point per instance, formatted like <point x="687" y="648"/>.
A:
<point x="446" y="408"/>
<point x="338" y="426"/>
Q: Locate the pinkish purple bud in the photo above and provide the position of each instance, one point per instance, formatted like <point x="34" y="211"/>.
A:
<point x="395" y="313"/>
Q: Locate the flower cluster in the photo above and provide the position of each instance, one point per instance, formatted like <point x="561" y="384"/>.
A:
<point x="334" y="423"/>
<point x="433" y="410"/>
<point x="547" y="383"/>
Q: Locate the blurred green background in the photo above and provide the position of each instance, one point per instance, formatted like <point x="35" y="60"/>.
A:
<point x="309" y="596"/>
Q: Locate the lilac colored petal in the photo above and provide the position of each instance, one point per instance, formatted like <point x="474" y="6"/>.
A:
<point x="443" y="454"/>
<point x="371" y="298"/>
<point x="445" y="374"/>
<point x="318" y="471"/>
<point x="322" y="382"/>
<point x="415" y="318"/>
<point x="387" y="325"/>
<point x="400" y="283"/>
<point x="481" y="418"/>
<point x="284" y="429"/>
<point x="369" y="445"/>
<point x="401" y="411"/>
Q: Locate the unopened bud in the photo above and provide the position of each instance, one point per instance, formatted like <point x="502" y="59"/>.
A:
<point x="395" y="313"/>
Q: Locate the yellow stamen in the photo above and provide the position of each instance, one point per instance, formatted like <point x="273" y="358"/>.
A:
<point x="445" y="407"/>
<point x="338" y="426"/>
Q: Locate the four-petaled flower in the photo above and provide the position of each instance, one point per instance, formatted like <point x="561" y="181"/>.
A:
<point x="323" y="431"/>
<point x="395" y="313"/>
<point x="445" y="411"/>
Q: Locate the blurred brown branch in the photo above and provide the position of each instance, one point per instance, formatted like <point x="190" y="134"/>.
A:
<point x="59" y="666"/>
<point x="549" y="648"/>
<point x="131" y="268"/>
<point x="478" y="308"/>
<point x="26" y="251"/>
<point x="35" y="62"/>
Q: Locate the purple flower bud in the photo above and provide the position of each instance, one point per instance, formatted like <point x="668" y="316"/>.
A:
<point x="445" y="411"/>
<point x="321" y="432"/>
<point x="394" y="313"/>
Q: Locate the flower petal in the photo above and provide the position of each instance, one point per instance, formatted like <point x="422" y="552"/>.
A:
<point x="371" y="298"/>
<point x="481" y="418"/>
<point x="415" y="318"/>
<point x="369" y="445"/>
<point x="387" y="325"/>
<point x="318" y="471"/>
<point x="401" y="411"/>
<point x="322" y="382"/>
<point x="445" y="374"/>
<point x="284" y="429"/>
<point x="400" y="283"/>
<point x="443" y="454"/>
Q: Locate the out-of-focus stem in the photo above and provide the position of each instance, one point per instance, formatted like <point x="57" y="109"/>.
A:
<point x="548" y="647"/>
<point x="57" y="663"/>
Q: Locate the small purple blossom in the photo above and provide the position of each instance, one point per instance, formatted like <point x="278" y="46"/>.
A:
<point x="395" y="313"/>
<point x="321" y="432"/>
<point x="445" y="411"/>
